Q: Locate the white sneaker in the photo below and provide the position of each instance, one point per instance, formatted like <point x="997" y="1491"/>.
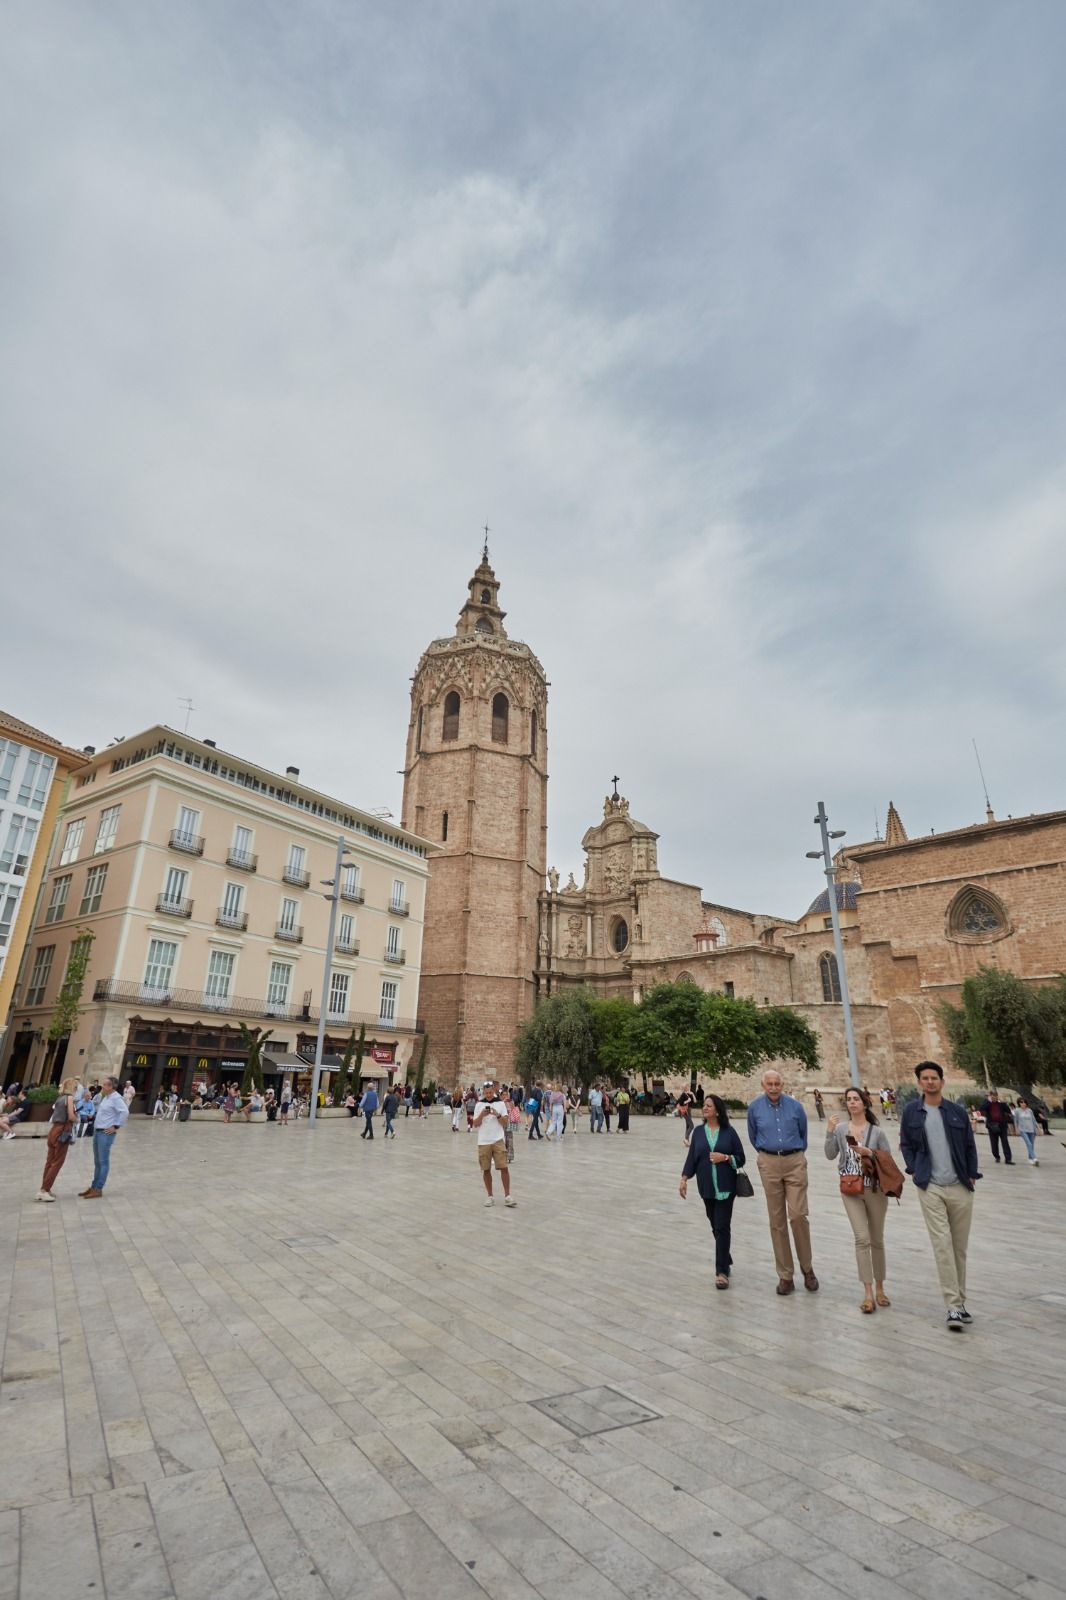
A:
<point x="1034" y="1161"/>
<point x="490" y="1201"/>
<point x="44" y="1195"/>
<point x="10" y="1135"/>
<point x="510" y="1200"/>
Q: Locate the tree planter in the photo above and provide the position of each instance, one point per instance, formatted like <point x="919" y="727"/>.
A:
<point x="41" y="1112"/>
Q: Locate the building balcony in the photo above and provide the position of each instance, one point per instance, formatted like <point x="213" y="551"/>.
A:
<point x="290" y="935"/>
<point x="355" y="897"/>
<point x="140" y="995"/>
<point x="349" y="947"/>
<point x="399" y="908"/>
<point x="237" y="920"/>
<point x="398" y="958"/>
<point x="243" y="860"/>
<point x="173" y="908"/>
<point x="302" y="880"/>
<point x="191" y="843"/>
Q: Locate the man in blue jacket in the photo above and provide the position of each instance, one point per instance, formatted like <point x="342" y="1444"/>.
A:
<point x="938" y="1149"/>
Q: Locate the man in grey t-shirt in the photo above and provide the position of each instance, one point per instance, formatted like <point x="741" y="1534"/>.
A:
<point x="937" y="1143"/>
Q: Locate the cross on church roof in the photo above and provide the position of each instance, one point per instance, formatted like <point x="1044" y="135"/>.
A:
<point x="485" y="551"/>
<point x="615" y="795"/>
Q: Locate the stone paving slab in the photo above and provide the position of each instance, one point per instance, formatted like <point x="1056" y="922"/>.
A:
<point x="295" y="1364"/>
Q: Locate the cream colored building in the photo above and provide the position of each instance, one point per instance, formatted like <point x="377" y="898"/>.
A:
<point x="34" y="772"/>
<point x="199" y="876"/>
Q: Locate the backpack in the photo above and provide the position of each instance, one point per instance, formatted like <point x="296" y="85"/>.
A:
<point x="532" y="1105"/>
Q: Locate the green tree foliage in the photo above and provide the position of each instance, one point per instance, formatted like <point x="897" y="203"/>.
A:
<point x="68" y="1004"/>
<point x="1017" y="1030"/>
<point x="558" y="1043"/>
<point x="677" y="1027"/>
<point x="252" y="1041"/>
<point x="344" y="1071"/>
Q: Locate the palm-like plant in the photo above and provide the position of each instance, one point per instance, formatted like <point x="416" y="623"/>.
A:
<point x="253" y="1041"/>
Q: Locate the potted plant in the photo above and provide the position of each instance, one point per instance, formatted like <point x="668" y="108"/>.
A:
<point x="42" y="1097"/>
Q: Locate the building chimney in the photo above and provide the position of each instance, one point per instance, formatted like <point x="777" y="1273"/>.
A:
<point x="88" y="749"/>
<point x="292" y="772"/>
<point x="211" y="742"/>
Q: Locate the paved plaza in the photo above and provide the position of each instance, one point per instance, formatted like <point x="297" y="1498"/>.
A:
<point x="288" y="1363"/>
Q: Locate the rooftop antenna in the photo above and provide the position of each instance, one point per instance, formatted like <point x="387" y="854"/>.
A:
<point x="189" y="709"/>
<point x="485" y="551"/>
<point x="877" y="825"/>
<point x="990" y="815"/>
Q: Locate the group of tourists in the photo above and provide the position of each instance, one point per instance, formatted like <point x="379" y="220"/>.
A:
<point x="110" y="1113"/>
<point x="939" y="1152"/>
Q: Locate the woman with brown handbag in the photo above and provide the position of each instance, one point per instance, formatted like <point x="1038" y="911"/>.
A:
<point x="851" y="1143"/>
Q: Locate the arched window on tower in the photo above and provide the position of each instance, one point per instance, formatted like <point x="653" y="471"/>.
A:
<point x="450" y="730"/>
<point x="418" y="731"/>
<point x="482" y="625"/>
<point x="444" y="826"/>
<point x="501" y="711"/>
<point x="486" y="597"/>
<point x="827" y="966"/>
<point x="533" y="734"/>
<point x="976" y="915"/>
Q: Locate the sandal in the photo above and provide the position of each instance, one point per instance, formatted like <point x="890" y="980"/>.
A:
<point x="867" y="1306"/>
<point x="882" y="1298"/>
<point x="721" y="1281"/>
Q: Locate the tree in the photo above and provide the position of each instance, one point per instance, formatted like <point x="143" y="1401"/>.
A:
<point x="559" y="1040"/>
<point x="612" y="1020"/>
<point x="1008" y="1031"/>
<point x="667" y="1033"/>
<point x="68" y="1004"/>
<point x="252" y="1041"/>
<point x="340" y="1088"/>
<point x="785" y="1035"/>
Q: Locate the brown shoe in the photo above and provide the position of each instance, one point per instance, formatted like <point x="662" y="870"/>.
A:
<point x="785" y="1286"/>
<point x="91" y="1194"/>
<point x="810" y="1281"/>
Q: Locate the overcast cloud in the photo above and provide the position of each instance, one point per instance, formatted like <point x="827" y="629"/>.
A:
<point x="741" y="325"/>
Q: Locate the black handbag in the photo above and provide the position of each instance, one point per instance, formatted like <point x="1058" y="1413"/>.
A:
<point x="745" y="1190"/>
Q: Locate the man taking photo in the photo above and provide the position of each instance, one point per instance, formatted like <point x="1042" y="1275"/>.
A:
<point x="490" y="1124"/>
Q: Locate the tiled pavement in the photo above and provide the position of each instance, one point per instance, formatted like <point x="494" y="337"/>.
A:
<point x="277" y="1363"/>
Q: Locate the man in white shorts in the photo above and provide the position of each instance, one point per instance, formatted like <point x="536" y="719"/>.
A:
<point x="490" y="1122"/>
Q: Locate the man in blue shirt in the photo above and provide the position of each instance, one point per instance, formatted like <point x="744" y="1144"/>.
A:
<point x="111" y="1115"/>
<point x="368" y="1105"/>
<point x="777" y="1127"/>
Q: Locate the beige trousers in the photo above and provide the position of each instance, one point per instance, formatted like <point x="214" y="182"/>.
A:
<point x="784" y="1182"/>
<point x="948" y="1212"/>
<point x="866" y="1213"/>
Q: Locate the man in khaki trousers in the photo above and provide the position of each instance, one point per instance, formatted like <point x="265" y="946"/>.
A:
<point x="777" y="1128"/>
<point x="939" y="1151"/>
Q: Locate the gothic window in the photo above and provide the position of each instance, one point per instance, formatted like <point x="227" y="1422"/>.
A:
<point x="450" y="729"/>
<point x="619" y="936"/>
<point x="976" y="914"/>
<point x="482" y="625"/>
<point x="717" y="927"/>
<point x="418" y="731"/>
<point x="444" y="826"/>
<point x="533" y="734"/>
<point x="684" y="977"/>
<point x="827" y="966"/>
<point x="500" y="712"/>
<point x="486" y="597"/>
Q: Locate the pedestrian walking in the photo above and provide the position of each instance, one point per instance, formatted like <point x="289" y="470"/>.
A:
<point x="573" y="1106"/>
<point x="158" y="1110"/>
<point x="457" y="1109"/>
<point x="533" y="1105"/>
<point x="595" y="1109"/>
<point x="777" y="1130"/>
<point x="129" y="1093"/>
<point x="490" y="1123"/>
<point x="715" y="1154"/>
<point x="229" y="1103"/>
<point x="685" y="1102"/>
<point x="63" y="1123"/>
<point x="390" y="1106"/>
<point x="999" y="1122"/>
<point x="111" y="1114"/>
<point x="847" y="1141"/>
<point x="285" y="1105"/>
<point x="1025" y="1127"/>
<point x="368" y="1106"/>
<point x="819" y="1105"/>
<point x="939" y="1151"/>
<point x="607" y="1108"/>
<point x="556" y="1113"/>
<point x="621" y="1101"/>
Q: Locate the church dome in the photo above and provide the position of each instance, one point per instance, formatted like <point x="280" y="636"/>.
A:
<point x="846" y="901"/>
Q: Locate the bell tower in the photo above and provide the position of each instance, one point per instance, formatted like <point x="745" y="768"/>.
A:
<point x="476" y="781"/>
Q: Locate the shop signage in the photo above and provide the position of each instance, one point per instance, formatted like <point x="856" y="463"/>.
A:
<point x="231" y="1066"/>
<point x="383" y="1052"/>
<point x="142" y="1061"/>
<point x="172" y="1061"/>
<point x="202" y="1061"/>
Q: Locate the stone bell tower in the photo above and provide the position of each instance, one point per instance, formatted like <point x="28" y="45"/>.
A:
<point x="476" y="781"/>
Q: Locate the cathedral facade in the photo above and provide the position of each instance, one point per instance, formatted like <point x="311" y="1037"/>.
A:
<point x="918" y="915"/>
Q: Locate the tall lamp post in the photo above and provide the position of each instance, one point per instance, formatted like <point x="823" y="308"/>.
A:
<point x="826" y="855"/>
<point x="334" y="884"/>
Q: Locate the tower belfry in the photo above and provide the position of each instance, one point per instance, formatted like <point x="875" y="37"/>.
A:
<point x="475" y="780"/>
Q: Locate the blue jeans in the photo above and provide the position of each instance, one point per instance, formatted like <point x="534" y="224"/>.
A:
<point x="1030" y="1143"/>
<point x="595" y="1119"/>
<point x="102" y="1142"/>
<point x="388" y="1127"/>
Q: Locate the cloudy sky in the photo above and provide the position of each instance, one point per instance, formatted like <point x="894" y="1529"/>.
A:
<point x="741" y="325"/>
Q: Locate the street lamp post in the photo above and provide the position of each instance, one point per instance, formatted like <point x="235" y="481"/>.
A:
<point x="335" y="885"/>
<point x="825" y="854"/>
